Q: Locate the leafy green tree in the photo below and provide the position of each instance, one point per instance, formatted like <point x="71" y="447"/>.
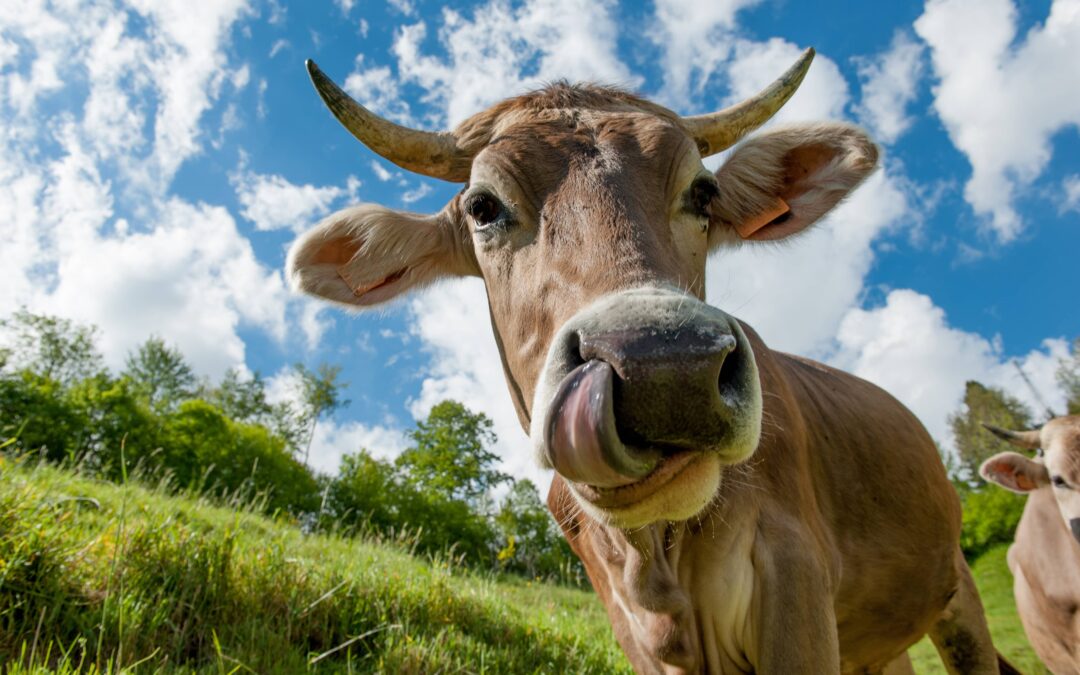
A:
<point x="1068" y="376"/>
<point x="534" y="545"/>
<point x="242" y="398"/>
<point x="984" y="405"/>
<point x="365" y="491"/>
<point x="320" y="395"/>
<point x="122" y="431"/>
<point x="205" y="449"/>
<point x="450" y="455"/>
<point x="52" y="347"/>
<point x="160" y="374"/>
<point x="37" y="416"/>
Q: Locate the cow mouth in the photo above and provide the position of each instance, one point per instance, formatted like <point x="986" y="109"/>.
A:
<point x="585" y="447"/>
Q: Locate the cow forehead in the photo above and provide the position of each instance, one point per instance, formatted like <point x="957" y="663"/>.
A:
<point x="538" y="149"/>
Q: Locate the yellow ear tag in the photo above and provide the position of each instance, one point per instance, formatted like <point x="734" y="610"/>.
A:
<point x="747" y="229"/>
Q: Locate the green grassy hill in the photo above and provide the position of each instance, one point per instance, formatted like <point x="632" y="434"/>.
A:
<point x="114" y="578"/>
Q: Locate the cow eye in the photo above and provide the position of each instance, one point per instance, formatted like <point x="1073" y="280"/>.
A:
<point x="484" y="209"/>
<point x="1060" y="482"/>
<point x="702" y="193"/>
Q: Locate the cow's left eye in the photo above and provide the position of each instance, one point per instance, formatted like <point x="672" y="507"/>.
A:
<point x="1060" y="482"/>
<point x="702" y="193"/>
<point x="484" y="209"/>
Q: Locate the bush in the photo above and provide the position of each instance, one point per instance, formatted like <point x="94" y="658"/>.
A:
<point x="990" y="517"/>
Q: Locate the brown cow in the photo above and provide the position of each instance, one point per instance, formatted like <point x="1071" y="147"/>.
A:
<point x="736" y="509"/>
<point x="1045" y="558"/>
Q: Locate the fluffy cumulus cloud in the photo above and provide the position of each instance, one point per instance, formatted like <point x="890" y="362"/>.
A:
<point x="1002" y="99"/>
<point x="91" y="231"/>
<point x="889" y="84"/>
<point x="907" y="347"/>
<point x="503" y="50"/>
<point x="695" y="39"/>
<point x="272" y="202"/>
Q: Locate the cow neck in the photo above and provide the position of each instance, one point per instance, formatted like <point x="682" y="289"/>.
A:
<point x="664" y="614"/>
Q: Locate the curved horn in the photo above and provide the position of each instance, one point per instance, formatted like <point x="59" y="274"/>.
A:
<point x="425" y="152"/>
<point x="1024" y="439"/>
<point x="720" y="130"/>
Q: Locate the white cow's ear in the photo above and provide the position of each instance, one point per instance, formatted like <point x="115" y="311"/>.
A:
<point x="1013" y="471"/>
<point x="368" y="254"/>
<point x="779" y="182"/>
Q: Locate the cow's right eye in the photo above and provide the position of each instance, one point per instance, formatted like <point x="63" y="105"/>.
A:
<point x="1059" y="482"/>
<point x="484" y="209"/>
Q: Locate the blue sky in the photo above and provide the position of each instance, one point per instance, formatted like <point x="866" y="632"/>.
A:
<point x="158" y="157"/>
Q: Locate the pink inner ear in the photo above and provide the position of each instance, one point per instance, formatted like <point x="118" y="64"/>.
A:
<point x="336" y="251"/>
<point x="360" y="291"/>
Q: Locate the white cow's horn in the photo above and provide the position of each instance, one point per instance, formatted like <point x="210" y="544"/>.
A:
<point x="1025" y="439"/>
<point x="720" y="130"/>
<point x="431" y="154"/>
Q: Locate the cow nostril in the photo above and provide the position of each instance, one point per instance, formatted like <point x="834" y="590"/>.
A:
<point x="728" y="380"/>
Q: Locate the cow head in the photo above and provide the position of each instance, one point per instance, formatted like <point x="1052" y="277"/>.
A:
<point x="589" y="215"/>
<point x="1056" y="465"/>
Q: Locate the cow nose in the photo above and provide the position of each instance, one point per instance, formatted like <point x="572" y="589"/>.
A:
<point x="1074" y="525"/>
<point x="669" y="380"/>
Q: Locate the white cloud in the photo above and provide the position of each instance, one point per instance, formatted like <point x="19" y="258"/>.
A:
<point x="381" y="172"/>
<point x="907" y="347"/>
<point x="696" y="38"/>
<point x="345" y="5"/>
<point x="273" y="203"/>
<point x="376" y="89"/>
<point x="416" y="194"/>
<point x="404" y="6"/>
<point x="90" y="230"/>
<point x="1001" y="99"/>
<point x="1070" y="189"/>
<point x="193" y="277"/>
<point x="503" y="51"/>
<point x="889" y="85"/>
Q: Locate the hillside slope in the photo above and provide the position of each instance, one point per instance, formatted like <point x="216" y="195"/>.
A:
<point x="181" y="585"/>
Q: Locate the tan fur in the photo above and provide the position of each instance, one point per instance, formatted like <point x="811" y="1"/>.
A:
<point x="835" y="545"/>
<point x="1045" y="557"/>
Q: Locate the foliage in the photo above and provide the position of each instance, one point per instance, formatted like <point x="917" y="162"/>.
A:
<point x="984" y="405"/>
<point x="109" y="576"/>
<point x="450" y="455"/>
<point x="1068" y="376"/>
<point x="37" y="416"/>
<point x="320" y="394"/>
<point x="160" y="374"/>
<point x="991" y="515"/>
<point x="534" y="545"/>
<point x="54" y="348"/>
<point x="241" y="398"/>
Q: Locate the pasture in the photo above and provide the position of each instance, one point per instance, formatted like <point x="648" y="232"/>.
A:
<point x="179" y="584"/>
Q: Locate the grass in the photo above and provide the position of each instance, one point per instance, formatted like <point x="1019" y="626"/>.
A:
<point x="100" y="578"/>
<point x="104" y="579"/>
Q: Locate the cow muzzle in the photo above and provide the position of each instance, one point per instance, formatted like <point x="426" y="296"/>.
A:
<point x="640" y="388"/>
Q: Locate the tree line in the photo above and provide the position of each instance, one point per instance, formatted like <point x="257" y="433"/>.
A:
<point x="441" y="496"/>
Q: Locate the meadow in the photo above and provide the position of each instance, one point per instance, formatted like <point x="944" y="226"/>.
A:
<point x="97" y="577"/>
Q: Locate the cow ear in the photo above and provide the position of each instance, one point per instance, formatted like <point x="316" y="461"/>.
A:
<point x="1013" y="471"/>
<point x="779" y="182"/>
<point x="368" y="254"/>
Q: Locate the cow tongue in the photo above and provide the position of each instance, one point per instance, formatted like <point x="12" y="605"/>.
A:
<point x="582" y="441"/>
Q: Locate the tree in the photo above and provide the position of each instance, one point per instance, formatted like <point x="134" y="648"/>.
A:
<point x="160" y="374"/>
<point x="320" y="395"/>
<point x="54" y="348"/>
<point x="534" y="545"/>
<point x="1068" y="376"/>
<point x="450" y="455"/>
<point x="242" y="399"/>
<point x="984" y="405"/>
